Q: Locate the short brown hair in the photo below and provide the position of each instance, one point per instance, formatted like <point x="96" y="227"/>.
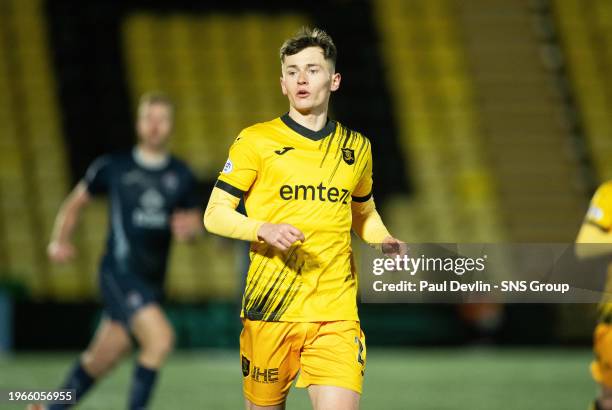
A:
<point x="156" y="97"/>
<point x="309" y="37"/>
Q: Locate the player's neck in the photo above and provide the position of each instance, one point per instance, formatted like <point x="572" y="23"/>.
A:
<point x="150" y="158"/>
<point x="314" y="121"/>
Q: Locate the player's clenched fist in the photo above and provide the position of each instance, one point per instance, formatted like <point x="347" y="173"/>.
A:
<point x="60" y="252"/>
<point x="185" y="225"/>
<point x="281" y="236"/>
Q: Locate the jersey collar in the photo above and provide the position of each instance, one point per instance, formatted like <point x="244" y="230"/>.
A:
<point x="138" y="159"/>
<point x="307" y="132"/>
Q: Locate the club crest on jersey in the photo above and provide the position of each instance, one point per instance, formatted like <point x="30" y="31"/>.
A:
<point x="228" y="166"/>
<point x="348" y="155"/>
<point x="246" y="366"/>
<point x="150" y="211"/>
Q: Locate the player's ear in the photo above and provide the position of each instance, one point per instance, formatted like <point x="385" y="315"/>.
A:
<point x="283" y="87"/>
<point x="335" y="81"/>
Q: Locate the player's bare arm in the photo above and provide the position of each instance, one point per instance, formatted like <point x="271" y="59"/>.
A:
<point x="60" y="247"/>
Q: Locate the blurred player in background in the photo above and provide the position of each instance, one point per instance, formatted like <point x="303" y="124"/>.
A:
<point x="596" y="229"/>
<point x="152" y="198"/>
<point x="306" y="180"/>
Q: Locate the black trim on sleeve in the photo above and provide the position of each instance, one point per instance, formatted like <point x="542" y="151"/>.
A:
<point x="230" y="189"/>
<point x="362" y="198"/>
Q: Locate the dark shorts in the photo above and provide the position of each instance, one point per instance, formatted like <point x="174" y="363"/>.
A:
<point x="123" y="295"/>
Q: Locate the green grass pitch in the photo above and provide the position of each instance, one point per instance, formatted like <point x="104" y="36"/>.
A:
<point x="402" y="379"/>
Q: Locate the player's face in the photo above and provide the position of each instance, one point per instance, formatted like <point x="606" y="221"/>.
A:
<point x="308" y="80"/>
<point x="154" y="125"/>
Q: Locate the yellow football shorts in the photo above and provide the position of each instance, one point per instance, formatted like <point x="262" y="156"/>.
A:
<point x="601" y="367"/>
<point x="324" y="353"/>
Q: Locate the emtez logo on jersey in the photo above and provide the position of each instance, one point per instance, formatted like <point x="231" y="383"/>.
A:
<point x="314" y="193"/>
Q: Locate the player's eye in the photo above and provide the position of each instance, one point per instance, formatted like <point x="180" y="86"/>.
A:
<point x="313" y="71"/>
<point x="291" y="73"/>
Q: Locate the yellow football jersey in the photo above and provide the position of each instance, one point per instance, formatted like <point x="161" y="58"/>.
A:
<point x="600" y="214"/>
<point x="290" y="174"/>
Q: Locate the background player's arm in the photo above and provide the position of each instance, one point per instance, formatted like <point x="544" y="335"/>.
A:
<point x="186" y="218"/>
<point x="60" y="248"/>
<point x="186" y="224"/>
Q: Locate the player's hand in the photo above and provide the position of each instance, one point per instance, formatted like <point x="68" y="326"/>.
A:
<point x="185" y="225"/>
<point x="394" y="247"/>
<point x="281" y="236"/>
<point x="61" y="252"/>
